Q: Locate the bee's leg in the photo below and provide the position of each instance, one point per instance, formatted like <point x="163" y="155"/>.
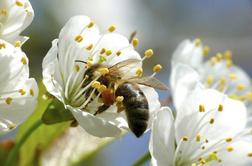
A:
<point x="101" y="109"/>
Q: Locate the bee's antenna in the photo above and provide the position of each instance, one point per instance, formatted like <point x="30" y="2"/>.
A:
<point x="81" y="61"/>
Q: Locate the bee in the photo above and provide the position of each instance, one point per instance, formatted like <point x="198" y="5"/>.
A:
<point x="125" y="92"/>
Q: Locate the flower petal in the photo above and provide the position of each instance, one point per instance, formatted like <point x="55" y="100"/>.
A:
<point x="95" y="125"/>
<point x="183" y="80"/>
<point x="188" y="53"/>
<point x="162" y="141"/>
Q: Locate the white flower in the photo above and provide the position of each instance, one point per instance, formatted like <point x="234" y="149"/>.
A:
<point x="209" y="129"/>
<point x="65" y="78"/>
<point x="18" y="92"/>
<point x="218" y="72"/>
<point x="15" y="16"/>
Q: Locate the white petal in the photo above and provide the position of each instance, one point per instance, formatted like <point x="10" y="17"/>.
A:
<point x="183" y="80"/>
<point x="18" y="18"/>
<point x="188" y="53"/>
<point x="153" y="101"/>
<point x="116" y="42"/>
<point x="189" y="120"/>
<point x="94" y="125"/>
<point x="239" y="156"/>
<point x="162" y="141"/>
<point x="21" y="106"/>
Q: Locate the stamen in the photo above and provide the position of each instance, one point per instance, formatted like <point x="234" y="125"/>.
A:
<point x="230" y="149"/>
<point x="201" y="108"/>
<point x="31" y="92"/>
<point x="112" y="28"/>
<point x="103" y="70"/>
<point x="211" y="121"/>
<point x="79" y="38"/>
<point x="228" y="139"/>
<point x="139" y="72"/>
<point x="118" y="53"/>
<point x="22" y="92"/>
<point x="8" y="100"/>
<point x="2" y="45"/>
<point x="240" y="87"/>
<point x="119" y="99"/>
<point x="220" y="108"/>
<point x="102" y="88"/>
<point x="148" y="53"/>
<point x="210" y="80"/>
<point x="24" y="60"/>
<point x="96" y="84"/>
<point x="20" y="4"/>
<point x="3" y="12"/>
<point x="135" y="42"/>
<point x="157" y="68"/>
<point x="108" y="52"/>
<point x="197" y="42"/>
<point x="91" y="24"/>
<point x="233" y="76"/>
<point x="18" y="44"/>
<point x="206" y="51"/>
<point x="89" y="47"/>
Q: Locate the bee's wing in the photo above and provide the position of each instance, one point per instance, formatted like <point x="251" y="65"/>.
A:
<point x="127" y="64"/>
<point x="149" y="81"/>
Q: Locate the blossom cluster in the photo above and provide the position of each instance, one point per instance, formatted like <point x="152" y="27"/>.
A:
<point x="18" y="92"/>
<point x="98" y="77"/>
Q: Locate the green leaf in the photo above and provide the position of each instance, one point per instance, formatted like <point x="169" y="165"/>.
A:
<point x="42" y="138"/>
<point x="56" y="113"/>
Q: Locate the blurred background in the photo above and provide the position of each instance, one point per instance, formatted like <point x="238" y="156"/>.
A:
<point x="161" y="25"/>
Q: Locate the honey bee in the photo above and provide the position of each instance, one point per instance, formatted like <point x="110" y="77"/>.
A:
<point x="125" y="92"/>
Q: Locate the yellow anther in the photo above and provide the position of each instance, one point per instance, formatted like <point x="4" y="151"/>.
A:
<point x="148" y="53"/>
<point x="249" y="95"/>
<point x="197" y="42"/>
<point x="102" y="88"/>
<point x="198" y="137"/>
<point x="18" y="43"/>
<point x="193" y="164"/>
<point x="219" y="56"/>
<point x="119" y="99"/>
<point x="8" y="100"/>
<point x="103" y="70"/>
<point x="249" y="154"/>
<point x="228" y="55"/>
<point x="201" y="108"/>
<point x="139" y="72"/>
<point x="2" y="45"/>
<point x="240" y="87"/>
<point x="210" y="80"/>
<point x="24" y="60"/>
<point x="211" y="121"/>
<point x="89" y="63"/>
<point x="118" y="53"/>
<point x="3" y="12"/>
<point x="220" y="108"/>
<point x="206" y="50"/>
<point x="157" y="68"/>
<point x="229" y="139"/>
<point x="202" y="161"/>
<point x="135" y="42"/>
<point x="79" y="38"/>
<point x="185" y="138"/>
<point x="213" y="60"/>
<point x="31" y="92"/>
<point x="22" y="91"/>
<point x="89" y="47"/>
<point x="20" y="4"/>
<point x="103" y="50"/>
<point x="203" y="147"/>
<point x="229" y="63"/>
<point x="230" y="149"/>
<point x="232" y="76"/>
<point x="96" y="84"/>
<point x="91" y="24"/>
<point x="206" y="140"/>
<point x="108" y="52"/>
<point x="112" y="28"/>
<point x="222" y="84"/>
<point x="77" y="68"/>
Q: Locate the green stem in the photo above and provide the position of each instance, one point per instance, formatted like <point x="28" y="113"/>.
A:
<point x="143" y="159"/>
<point x="14" y="152"/>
